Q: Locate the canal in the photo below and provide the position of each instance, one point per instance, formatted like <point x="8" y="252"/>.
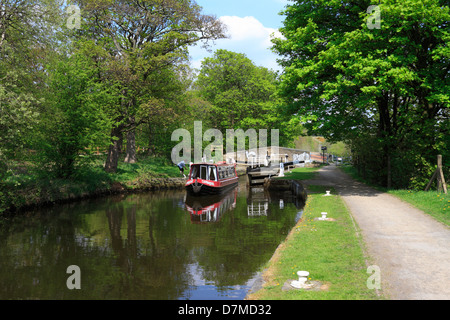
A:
<point x="158" y="245"/>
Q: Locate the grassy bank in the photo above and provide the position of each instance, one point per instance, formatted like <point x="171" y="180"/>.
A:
<point x="306" y="173"/>
<point x="433" y="203"/>
<point x="29" y="187"/>
<point x="330" y="250"/>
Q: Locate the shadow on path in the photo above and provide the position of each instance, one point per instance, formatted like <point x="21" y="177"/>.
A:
<point x="342" y="182"/>
<point x="411" y="248"/>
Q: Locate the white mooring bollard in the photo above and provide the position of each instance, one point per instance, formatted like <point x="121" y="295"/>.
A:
<point x="302" y="279"/>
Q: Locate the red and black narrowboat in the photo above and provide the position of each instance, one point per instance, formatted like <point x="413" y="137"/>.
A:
<point x="208" y="178"/>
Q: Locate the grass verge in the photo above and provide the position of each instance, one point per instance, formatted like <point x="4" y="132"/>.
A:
<point x="33" y="188"/>
<point x="332" y="251"/>
<point x="305" y="173"/>
<point x="433" y="203"/>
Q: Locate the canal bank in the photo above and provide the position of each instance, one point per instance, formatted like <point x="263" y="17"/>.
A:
<point x="31" y="191"/>
<point x="330" y="249"/>
<point x="147" y="245"/>
<point x="58" y="192"/>
<point x="409" y="248"/>
<point x="403" y="253"/>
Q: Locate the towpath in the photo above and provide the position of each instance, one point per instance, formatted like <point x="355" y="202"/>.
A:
<point x="411" y="249"/>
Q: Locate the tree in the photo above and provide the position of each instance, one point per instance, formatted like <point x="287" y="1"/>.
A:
<point x="385" y="91"/>
<point x="75" y="118"/>
<point x="142" y="38"/>
<point x="19" y="114"/>
<point x="25" y="26"/>
<point x="241" y="95"/>
<point x="25" y="20"/>
<point x="170" y="86"/>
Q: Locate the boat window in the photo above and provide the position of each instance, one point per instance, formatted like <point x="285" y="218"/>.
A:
<point x="212" y="173"/>
<point x="195" y="172"/>
<point x="203" y="173"/>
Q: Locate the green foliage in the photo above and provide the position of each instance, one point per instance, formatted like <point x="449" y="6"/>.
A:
<point x="384" y="91"/>
<point x="240" y="95"/>
<point x="339" y="149"/>
<point x="19" y="112"/>
<point x="75" y="118"/>
<point x="141" y="43"/>
<point x="146" y="168"/>
<point x="239" y="92"/>
<point x="36" y="187"/>
<point x="25" y="46"/>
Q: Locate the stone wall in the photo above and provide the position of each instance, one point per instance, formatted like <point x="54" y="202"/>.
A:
<point x="296" y="187"/>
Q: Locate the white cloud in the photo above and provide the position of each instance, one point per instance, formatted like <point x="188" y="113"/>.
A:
<point x="249" y="29"/>
<point x="246" y="35"/>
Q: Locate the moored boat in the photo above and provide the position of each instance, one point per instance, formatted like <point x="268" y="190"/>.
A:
<point x="208" y="178"/>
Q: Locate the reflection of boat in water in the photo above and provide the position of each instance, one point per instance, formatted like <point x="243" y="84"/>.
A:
<point x="210" y="208"/>
<point x="207" y="178"/>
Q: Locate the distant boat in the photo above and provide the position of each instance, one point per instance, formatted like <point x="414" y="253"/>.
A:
<point x="208" y="178"/>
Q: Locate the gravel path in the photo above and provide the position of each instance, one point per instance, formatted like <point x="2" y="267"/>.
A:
<point x="411" y="248"/>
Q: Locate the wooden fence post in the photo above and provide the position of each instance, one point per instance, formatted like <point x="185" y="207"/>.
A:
<point x="439" y="176"/>
<point x="441" y="179"/>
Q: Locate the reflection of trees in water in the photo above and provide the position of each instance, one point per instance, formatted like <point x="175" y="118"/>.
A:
<point x="35" y="251"/>
<point x="242" y="244"/>
<point x="133" y="247"/>
<point x="152" y="268"/>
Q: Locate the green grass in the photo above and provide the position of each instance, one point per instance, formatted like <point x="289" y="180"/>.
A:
<point x="330" y="250"/>
<point x="433" y="203"/>
<point x="155" y="167"/>
<point x="29" y="186"/>
<point x="306" y="173"/>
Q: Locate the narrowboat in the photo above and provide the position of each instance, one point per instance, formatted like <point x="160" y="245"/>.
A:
<point x="208" y="178"/>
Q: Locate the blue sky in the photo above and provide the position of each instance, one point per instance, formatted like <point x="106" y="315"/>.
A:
<point x="250" y="25"/>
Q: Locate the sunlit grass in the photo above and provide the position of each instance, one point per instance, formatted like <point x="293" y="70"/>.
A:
<point x="31" y="186"/>
<point x="436" y="204"/>
<point x="330" y="250"/>
<point x="306" y="173"/>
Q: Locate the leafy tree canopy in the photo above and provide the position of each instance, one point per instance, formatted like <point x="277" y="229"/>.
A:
<point x="390" y="86"/>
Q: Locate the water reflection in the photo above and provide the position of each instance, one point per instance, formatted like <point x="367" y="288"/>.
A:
<point x="210" y="208"/>
<point x="259" y="201"/>
<point x="146" y="246"/>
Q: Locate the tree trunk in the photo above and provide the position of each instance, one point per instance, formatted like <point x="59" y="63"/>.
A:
<point x="385" y="132"/>
<point x="150" y="148"/>
<point x="120" y="145"/>
<point x="389" y="170"/>
<point x="131" y="144"/>
<point x="112" y="159"/>
<point x="131" y="147"/>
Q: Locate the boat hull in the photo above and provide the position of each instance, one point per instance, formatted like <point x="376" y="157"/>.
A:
<point x="199" y="187"/>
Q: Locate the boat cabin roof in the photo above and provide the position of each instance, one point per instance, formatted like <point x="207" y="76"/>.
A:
<point x="213" y="164"/>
